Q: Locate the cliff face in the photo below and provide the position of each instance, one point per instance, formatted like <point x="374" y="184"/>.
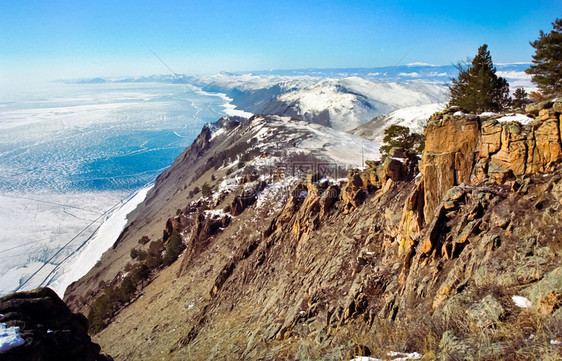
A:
<point x="464" y="148"/>
<point x="385" y="260"/>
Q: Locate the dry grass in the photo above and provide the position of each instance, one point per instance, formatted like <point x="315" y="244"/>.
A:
<point x="523" y="335"/>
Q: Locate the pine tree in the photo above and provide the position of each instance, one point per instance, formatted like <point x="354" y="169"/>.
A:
<point x="205" y="190"/>
<point x="477" y="87"/>
<point x="547" y="67"/>
<point x="397" y="136"/>
<point x="520" y="98"/>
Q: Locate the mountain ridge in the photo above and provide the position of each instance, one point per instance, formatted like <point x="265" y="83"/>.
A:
<point x="334" y="268"/>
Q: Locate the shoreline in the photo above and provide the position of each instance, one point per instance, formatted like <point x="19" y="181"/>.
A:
<point x="86" y="257"/>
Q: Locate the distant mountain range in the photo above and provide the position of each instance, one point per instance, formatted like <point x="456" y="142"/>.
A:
<point x="513" y="72"/>
<point x="342" y="98"/>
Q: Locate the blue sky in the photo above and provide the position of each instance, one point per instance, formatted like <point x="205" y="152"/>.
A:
<point x="69" y="39"/>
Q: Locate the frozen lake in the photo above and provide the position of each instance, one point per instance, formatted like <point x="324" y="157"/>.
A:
<point x="71" y="155"/>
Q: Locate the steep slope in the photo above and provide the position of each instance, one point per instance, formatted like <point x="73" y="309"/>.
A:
<point x="311" y="267"/>
<point x="226" y="155"/>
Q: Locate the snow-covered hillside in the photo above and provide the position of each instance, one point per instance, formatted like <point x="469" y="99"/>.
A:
<point x="311" y="140"/>
<point x="414" y="118"/>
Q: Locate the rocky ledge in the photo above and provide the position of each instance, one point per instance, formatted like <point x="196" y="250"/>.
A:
<point x="48" y="328"/>
<point x="464" y="148"/>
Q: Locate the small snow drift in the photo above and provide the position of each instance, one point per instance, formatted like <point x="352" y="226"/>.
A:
<point x="521" y="302"/>
<point x="395" y="356"/>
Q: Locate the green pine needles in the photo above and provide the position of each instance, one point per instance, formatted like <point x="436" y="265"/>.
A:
<point x="478" y="88"/>
<point x="547" y="61"/>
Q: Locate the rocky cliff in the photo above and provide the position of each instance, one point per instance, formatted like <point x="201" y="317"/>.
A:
<point x="48" y="329"/>
<point x="460" y="261"/>
<point x="469" y="149"/>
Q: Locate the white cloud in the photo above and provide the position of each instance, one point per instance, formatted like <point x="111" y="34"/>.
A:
<point x="418" y="63"/>
<point x="434" y="73"/>
<point x="514" y="63"/>
<point x="521" y="75"/>
<point x="413" y="74"/>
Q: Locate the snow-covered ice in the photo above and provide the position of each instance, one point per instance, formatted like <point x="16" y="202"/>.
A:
<point x="70" y="152"/>
<point x="9" y="337"/>
<point x="231" y="109"/>
<point x="101" y="241"/>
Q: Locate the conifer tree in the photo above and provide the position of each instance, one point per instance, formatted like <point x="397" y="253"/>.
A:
<point x="547" y="61"/>
<point x="477" y="87"/>
<point x="520" y="98"/>
<point x="397" y="136"/>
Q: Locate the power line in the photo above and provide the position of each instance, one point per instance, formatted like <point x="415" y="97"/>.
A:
<point x="391" y="70"/>
<point x="47" y="202"/>
<point x="129" y="197"/>
<point x="183" y="82"/>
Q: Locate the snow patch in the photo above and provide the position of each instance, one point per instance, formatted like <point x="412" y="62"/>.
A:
<point x="276" y="194"/>
<point x="396" y="356"/>
<point x="521" y="302"/>
<point x="521" y="118"/>
<point x="9" y="337"/>
<point x="216" y="213"/>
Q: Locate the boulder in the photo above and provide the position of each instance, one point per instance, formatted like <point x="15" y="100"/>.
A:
<point x="486" y="312"/>
<point x="548" y="147"/>
<point x="550" y="302"/>
<point x="452" y="347"/>
<point x="50" y="330"/>
<point x="490" y="141"/>
<point x="551" y="282"/>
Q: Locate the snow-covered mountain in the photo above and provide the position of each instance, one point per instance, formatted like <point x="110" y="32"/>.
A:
<point x="416" y="71"/>
<point x="340" y="103"/>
